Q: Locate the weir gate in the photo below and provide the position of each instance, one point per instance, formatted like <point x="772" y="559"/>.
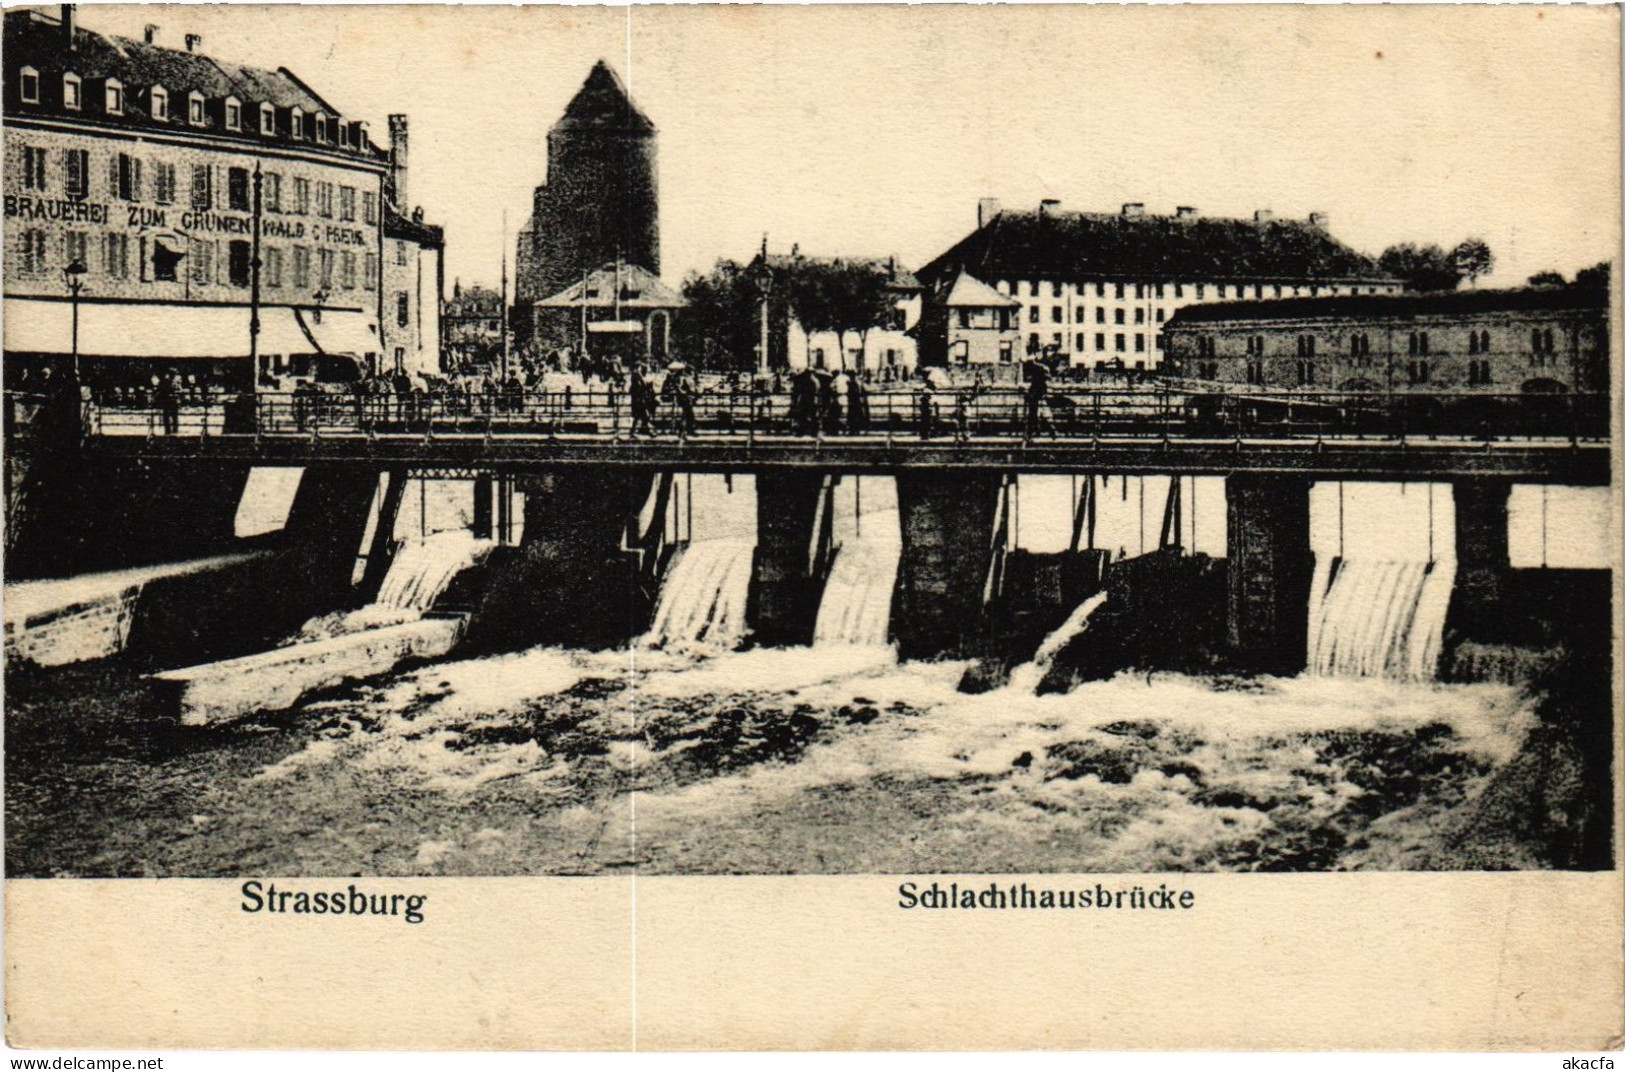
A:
<point x="106" y="488"/>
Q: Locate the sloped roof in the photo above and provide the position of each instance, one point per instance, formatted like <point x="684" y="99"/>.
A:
<point x="602" y="103"/>
<point x="397" y="225"/>
<point x="649" y="291"/>
<point x="474" y="301"/>
<point x="1074" y="245"/>
<point x="1381" y="306"/>
<point x="35" y="39"/>
<point x="968" y="291"/>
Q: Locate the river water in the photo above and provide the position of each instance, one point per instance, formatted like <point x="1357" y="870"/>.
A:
<point x="797" y="760"/>
<point x="676" y="755"/>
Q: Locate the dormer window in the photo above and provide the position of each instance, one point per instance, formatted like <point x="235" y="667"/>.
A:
<point x="28" y="85"/>
<point x="321" y="128"/>
<point x="70" y="91"/>
<point x="234" y="113"/>
<point x="267" y="120"/>
<point x="158" y="102"/>
<point x="113" y="97"/>
<point x="194" y="109"/>
<point x="296" y="124"/>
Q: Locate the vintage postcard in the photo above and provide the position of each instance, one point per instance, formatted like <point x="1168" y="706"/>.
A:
<point x="812" y="527"/>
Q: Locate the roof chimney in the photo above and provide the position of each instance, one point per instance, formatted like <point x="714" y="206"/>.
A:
<point x="70" y="24"/>
<point x="1185" y="212"/>
<point x="149" y="33"/>
<point x="1263" y="216"/>
<point x="1133" y="209"/>
<point x="397" y="159"/>
<point x="1049" y="207"/>
<point x="986" y="209"/>
<point x="193" y="41"/>
<point x="1318" y="220"/>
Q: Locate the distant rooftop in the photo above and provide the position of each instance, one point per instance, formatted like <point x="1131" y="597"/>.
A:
<point x="1378" y="306"/>
<point x="1049" y="243"/>
<point x="603" y="103"/>
<point x="639" y="289"/>
<point x="35" y="39"/>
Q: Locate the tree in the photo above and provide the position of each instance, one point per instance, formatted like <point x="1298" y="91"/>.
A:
<point x="840" y="296"/>
<point x="1420" y="267"/>
<point x="1472" y="258"/>
<point x="1597" y="277"/>
<point x="1548" y="278"/>
<point x="719" y="327"/>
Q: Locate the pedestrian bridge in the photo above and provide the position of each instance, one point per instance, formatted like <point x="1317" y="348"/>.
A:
<point x="1327" y="435"/>
<point x="121" y="482"/>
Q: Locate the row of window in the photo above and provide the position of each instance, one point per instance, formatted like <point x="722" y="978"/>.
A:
<point x="1119" y="344"/>
<point x="295" y="267"/>
<point x="1057" y="315"/>
<point x="1143" y="291"/>
<point x="227" y="112"/>
<point x="1541" y="341"/>
<point x="125" y="174"/>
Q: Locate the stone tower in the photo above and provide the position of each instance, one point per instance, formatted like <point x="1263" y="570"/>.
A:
<point x="600" y="201"/>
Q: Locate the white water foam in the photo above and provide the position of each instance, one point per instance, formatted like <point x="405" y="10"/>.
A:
<point x="1027" y="677"/>
<point x="1378" y="618"/>
<point x="856" y="606"/>
<point x="422" y="569"/>
<point x="704" y="596"/>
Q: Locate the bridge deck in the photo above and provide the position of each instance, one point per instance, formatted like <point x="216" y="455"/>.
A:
<point x="1556" y="461"/>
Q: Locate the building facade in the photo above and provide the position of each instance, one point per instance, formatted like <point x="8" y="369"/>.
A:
<point x="1096" y="290"/>
<point x="620" y="312"/>
<point x="794" y="344"/>
<point x="968" y="323"/>
<point x="600" y="204"/>
<point x="471" y="325"/>
<point x="414" y="280"/>
<point x="179" y="194"/>
<point x="1531" y="339"/>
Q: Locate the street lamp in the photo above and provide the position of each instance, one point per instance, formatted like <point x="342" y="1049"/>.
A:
<point x="764" y="285"/>
<point x="74" y="276"/>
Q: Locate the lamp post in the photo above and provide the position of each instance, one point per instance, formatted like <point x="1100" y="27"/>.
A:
<point x="74" y="276"/>
<point x="764" y="286"/>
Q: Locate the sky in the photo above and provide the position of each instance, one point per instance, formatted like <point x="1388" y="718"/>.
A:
<point x="873" y="130"/>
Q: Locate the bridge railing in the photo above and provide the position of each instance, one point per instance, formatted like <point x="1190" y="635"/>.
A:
<point x="951" y="414"/>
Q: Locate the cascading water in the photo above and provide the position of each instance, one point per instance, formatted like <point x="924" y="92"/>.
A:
<point x="704" y="596"/>
<point x="1378" y="618"/>
<point x="422" y="569"/>
<point x="418" y="574"/>
<point x="856" y="608"/>
<point x="1025" y="678"/>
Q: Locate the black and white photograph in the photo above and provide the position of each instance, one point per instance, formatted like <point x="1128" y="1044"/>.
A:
<point x="917" y="442"/>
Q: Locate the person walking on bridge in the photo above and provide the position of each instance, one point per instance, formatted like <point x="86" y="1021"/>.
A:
<point x="169" y="403"/>
<point x="643" y="402"/>
<point x="857" y="405"/>
<point x="1038" y="399"/>
<point x="804" y="402"/>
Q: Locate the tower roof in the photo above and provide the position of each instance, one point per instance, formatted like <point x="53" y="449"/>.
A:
<point x="602" y="103"/>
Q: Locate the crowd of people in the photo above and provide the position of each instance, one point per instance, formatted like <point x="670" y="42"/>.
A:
<point x="640" y="398"/>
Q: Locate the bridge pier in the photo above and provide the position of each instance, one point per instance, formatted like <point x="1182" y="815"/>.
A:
<point x="1270" y="572"/>
<point x="1482" y="558"/>
<point x="325" y="528"/>
<point x="784" y="590"/>
<point x="947" y="521"/>
<point x="570" y="582"/>
<point x="484" y="498"/>
<point x="72" y="515"/>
